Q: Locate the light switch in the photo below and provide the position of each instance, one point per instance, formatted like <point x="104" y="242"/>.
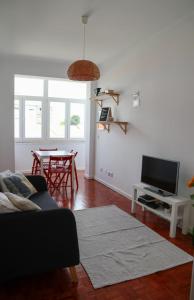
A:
<point x="136" y="99"/>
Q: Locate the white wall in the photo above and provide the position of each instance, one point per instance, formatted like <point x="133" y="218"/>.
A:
<point x="162" y="68"/>
<point x="6" y="118"/>
<point x="9" y="66"/>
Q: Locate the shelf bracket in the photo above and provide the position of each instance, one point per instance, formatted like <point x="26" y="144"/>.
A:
<point x="115" y="98"/>
<point x="107" y="127"/>
<point x="99" y="102"/>
<point x="123" y="127"/>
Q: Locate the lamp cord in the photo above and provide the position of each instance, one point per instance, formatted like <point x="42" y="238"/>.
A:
<point x="84" y="43"/>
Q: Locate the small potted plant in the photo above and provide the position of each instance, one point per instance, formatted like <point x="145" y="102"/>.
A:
<point x="190" y="184"/>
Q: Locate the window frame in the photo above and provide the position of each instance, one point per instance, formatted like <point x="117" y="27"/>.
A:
<point x="48" y="120"/>
<point x="23" y="118"/>
<point x="82" y="102"/>
<point x="45" y="100"/>
<point x="18" y="139"/>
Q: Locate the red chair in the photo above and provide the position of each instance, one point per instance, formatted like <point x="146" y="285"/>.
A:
<point x="46" y="161"/>
<point x="58" y="172"/>
<point x="35" y="164"/>
<point x="36" y="169"/>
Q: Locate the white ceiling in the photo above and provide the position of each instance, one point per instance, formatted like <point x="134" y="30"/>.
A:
<point x="52" y="28"/>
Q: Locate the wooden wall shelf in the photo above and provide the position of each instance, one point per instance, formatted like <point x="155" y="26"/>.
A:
<point x="107" y="124"/>
<point x="102" y="96"/>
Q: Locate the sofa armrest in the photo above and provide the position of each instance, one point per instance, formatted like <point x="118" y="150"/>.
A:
<point x="38" y="182"/>
<point x="37" y="241"/>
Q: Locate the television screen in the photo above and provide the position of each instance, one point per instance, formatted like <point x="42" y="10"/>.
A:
<point x="160" y="173"/>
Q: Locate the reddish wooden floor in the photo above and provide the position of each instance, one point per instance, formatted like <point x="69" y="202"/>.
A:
<point x="172" y="284"/>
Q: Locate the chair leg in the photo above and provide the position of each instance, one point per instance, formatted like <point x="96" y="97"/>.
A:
<point x="73" y="274"/>
<point x="76" y="177"/>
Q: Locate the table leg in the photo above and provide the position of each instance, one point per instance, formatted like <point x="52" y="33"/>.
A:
<point x="186" y="218"/>
<point x="192" y="285"/>
<point x="134" y="198"/>
<point x="173" y="221"/>
<point x="73" y="176"/>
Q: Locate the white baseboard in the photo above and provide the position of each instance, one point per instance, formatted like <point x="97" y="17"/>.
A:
<point x="114" y="188"/>
<point x="88" y="177"/>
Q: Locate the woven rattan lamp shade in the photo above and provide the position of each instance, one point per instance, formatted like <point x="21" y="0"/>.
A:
<point x="83" y="70"/>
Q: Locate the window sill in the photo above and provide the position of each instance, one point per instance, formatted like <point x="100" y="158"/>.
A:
<point x="50" y="141"/>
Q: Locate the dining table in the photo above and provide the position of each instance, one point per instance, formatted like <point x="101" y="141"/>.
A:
<point x="45" y="155"/>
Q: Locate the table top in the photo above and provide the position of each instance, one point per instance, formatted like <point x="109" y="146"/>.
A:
<point x="47" y="154"/>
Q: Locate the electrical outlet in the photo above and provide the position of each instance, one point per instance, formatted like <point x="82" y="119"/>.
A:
<point x="110" y="174"/>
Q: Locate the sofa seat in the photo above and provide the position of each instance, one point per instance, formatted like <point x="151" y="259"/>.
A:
<point x="44" y="200"/>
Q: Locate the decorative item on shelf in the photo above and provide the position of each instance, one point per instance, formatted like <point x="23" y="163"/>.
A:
<point x="190" y="184"/>
<point x="83" y="70"/>
<point x="97" y="91"/>
<point x="106" y="114"/>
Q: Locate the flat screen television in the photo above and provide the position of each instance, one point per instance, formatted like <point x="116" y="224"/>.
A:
<point x="160" y="174"/>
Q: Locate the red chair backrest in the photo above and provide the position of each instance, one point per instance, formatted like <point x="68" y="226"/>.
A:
<point x="57" y="161"/>
<point x="74" y="152"/>
<point x="35" y="156"/>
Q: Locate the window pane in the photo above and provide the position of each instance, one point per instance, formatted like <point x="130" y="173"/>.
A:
<point x="77" y="120"/>
<point x="57" y="120"/>
<point x="16" y="118"/>
<point x="29" y="86"/>
<point x="66" y="89"/>
<point x="33" y="119"/>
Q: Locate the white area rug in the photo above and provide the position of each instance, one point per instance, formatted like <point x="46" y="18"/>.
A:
<point x="115" y="247"/>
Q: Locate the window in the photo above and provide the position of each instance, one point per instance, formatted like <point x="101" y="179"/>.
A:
<point x="16" y="118"/>
<point x="66" y="89"/>
<point x="33" y="119"/>
<point x="49" y="109"/>
<point x="29" y="86"/>
<point x="77" y="120"/>
<point x="57" y="120"/>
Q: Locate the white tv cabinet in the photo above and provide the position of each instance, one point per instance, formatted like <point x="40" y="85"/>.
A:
<point x="174" y="202"/>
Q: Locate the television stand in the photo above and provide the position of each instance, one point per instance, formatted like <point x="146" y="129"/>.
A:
<point x="173" y="201"/>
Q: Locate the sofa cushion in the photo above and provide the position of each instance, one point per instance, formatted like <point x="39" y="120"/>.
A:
<point x="6" y="205"/>
<point x="44" y="200"/>
<point x="21" y="202"/>
<point x="17" y="184"/>
<point x="3" y="187"/>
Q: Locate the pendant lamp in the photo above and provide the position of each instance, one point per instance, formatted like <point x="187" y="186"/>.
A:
<point x="83" y="70"/>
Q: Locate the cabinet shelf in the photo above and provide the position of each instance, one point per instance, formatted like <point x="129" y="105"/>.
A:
<point x="103" y="96"/>
<point x="107" y="124"/>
